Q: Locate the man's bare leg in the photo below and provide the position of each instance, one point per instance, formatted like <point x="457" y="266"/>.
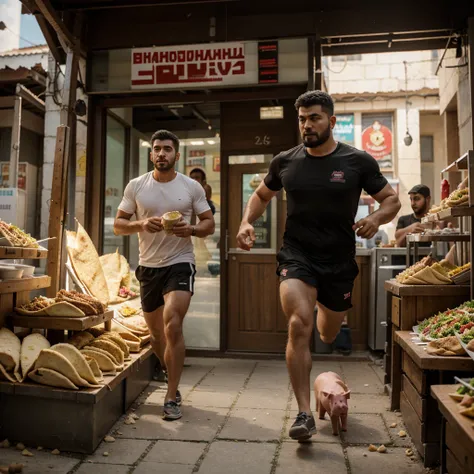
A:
<point x="329" y="323"/>
<point x="298" y="300"/>
<point x="154" y="321"/>
<point x="176" y="306"/>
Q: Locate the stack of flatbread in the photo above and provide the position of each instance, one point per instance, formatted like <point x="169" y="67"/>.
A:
<point x="86" y="264"/>
<point x="117" y="273"/>
<point x="426" y="272"/>
<point x="446" y="346"/>
<point x="459" y="197"/>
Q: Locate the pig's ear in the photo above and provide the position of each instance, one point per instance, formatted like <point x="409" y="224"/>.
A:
<point x="347" y="394"/>
<point x="326" y="394"/>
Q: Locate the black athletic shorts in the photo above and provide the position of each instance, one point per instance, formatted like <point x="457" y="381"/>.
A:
<point x="156" y="282"/>
<point x="334" y="281"/>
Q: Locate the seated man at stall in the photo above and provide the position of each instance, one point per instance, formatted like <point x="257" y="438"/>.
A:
<point x="420" y="199"/>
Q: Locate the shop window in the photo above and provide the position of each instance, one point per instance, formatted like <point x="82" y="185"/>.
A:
<point x="427" y="148"/>
<point x="377" y="139"/>
<point x="344" y="129"/>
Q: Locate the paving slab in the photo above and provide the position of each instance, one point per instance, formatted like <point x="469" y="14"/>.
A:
<point x="311" y="458"/>
<point x="366" y="429"/>
<point x="368" y="403"/>
<point x="360" y="378"/>
<point x="319" y="367"/>
<point x="237" y="458"/>
<point x="375" y="463"/>
<point x="41" y="462"/>
<point x="271" y="363"/>
<point x="391" y="418"/>
<point x="88" y="468"/>
<point x="323" y="427"/>
<point x="216" y="397"/>
<point x="272" y="399"/>
<point x="254" y="425"/>
<point x="162" y="468"/>
<point x="123" y="451"/>
<point x="234" y="381"/>
<point x="175" y="452"/>
<point x="197" y="424"/>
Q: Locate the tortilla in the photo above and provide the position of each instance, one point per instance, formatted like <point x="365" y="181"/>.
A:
<point x="111" y="347"/>
<point x="125" y="272"/>
<point x="81" y="339"/>
<point x="447" y="346"/>
<point x="4" y="375"/>
<point x="440" y="269"/>
<point x="85" y="262"/>
<point x="25" y="312"/>
<point x="456" y="396"/>
<point x="51" y="359"/>
<point x="96" y="331"/>
<point x="65" y="309"/>
<point x="78" y="361"/>
<point x="136" y="324"/>
<point x="102" y="358"/>
<point x="52" y="378"/>
<point x="115" y="337"/>
<point x="10" y="347"/>
<point x="31" y="347"/>
<point x="432" y="277"/>
<point x="94" y="367"/>
<point x="111" y="267"/>
<point x="413" y="281"/>
<point x="86" y="308"/>
<point x="468" y="412"/>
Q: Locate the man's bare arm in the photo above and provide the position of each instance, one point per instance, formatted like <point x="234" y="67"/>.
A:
<point x="124" y="226"/>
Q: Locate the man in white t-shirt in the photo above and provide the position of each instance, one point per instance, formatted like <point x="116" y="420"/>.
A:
<point x="166" y="266"/>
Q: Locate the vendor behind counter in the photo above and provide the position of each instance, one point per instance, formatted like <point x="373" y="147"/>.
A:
<point x="420" y="199"/>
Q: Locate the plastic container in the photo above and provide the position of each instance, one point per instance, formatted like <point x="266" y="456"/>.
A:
<point x="10" y="272"/>
<point x="28" y="270"/>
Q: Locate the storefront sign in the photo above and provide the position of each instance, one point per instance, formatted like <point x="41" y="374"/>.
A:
<point x="268" y="62"/>
<point x="377" y="141"/>
<point x="344" y="129"/>
<point x="190" y="66"/>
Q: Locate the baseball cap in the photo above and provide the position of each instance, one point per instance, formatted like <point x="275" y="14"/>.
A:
<point x="420" y="189"/>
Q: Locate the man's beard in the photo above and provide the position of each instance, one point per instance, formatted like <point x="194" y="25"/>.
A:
<point x="164" y="165"/>
<point x="316" y="139"/>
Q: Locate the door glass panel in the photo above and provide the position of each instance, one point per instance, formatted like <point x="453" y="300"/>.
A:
<point x="265" y="226"/>
<point x="249" y="159"/>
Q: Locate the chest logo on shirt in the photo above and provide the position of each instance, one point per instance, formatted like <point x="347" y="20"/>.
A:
<point x="337" y="177"/>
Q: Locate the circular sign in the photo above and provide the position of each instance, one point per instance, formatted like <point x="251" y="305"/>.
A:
<point x="377" y="140"/>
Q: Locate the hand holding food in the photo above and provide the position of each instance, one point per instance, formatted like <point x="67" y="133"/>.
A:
<point x="152" y="225"/>
<point x="169" y="220"/>
<point x="182" y="229"/>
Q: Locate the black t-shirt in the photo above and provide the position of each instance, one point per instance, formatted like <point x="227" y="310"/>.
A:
<point x="405" y="221"/>
<point x="322" y="198"/>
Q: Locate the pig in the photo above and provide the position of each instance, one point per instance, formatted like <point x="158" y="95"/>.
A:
<point x="331" y="395"/>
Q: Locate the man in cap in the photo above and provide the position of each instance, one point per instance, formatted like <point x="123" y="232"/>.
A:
<point x="420" y="198"/>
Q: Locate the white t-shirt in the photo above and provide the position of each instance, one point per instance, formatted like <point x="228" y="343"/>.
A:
<point x="145" y="197"/>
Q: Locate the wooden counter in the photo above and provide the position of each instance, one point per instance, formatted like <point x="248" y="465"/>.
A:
<point x="457" y="444"/>
<point x="415" y="374"/>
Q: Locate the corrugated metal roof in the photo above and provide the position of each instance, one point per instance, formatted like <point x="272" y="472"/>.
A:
<point x="28" y="51"/>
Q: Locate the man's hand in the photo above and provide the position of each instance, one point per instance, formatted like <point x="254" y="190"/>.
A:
<point x="366" y="227"/>
<point x="152" y="225"/>
<point x="246" y="237"/>
<point x="416" y="228"/>
<point x="182" y="229"/>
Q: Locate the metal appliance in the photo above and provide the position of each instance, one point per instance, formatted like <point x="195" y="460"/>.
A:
<point x="385" y="263"/>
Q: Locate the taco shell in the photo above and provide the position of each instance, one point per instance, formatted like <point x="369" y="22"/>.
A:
<point x="10" y="348"/>
<point x="103" y="358"/>
<point x="4" y="375"/>
<point x="94" y="367"/>
<point x="468" y="412"/>
<point x="74" y="356"/>
<point x="65" y="309"/>
<point x="115" y="337"/>
<point x="111" y="347"/>
<point x="81" y="339"/>
<point x="52" y="378"/>
<point x="31" y="346"/>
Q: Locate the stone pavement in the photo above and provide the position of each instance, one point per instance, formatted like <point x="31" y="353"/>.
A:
<point x="236" y="416"/>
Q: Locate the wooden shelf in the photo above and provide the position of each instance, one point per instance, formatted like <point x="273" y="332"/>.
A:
<point x="59" y="323"/>
<point x="20" y="252"/>
<point x="413" y="238"/>
<point x="431" y="362"/>
<point x="459" y="165"/>
<point x="460" y="211"/>
<point x="24" y="284"/>
<point x="399" y="289"/>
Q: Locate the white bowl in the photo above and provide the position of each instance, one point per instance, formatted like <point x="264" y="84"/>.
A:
<point x="28" y="270"/>
<point x="9" y="273"/>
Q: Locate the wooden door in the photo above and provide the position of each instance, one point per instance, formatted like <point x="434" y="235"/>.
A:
<point x="255" y="319"/>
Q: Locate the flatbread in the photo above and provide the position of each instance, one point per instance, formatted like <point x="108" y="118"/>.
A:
<point x="97" y="331"/>
<point x="81" y="339"/>
<point x="413" y="281"/>
<point x="31" y="346"/>
<point x="136" y="324"/>
<point x="111" y="267"/>
<point x="4" y="375"/>
<point x="102" y="358"/>
<point x="51" y="359"/>
<point x="468" y="412"/>
<point x="125" y="272"/>
<point x="94" y="367"/>
<point x="111" y="347"/>
<point x="78" y="361"/>
<point x="85" y="308"/>
<point x="447" y="346"/>
<point x="10" y="348"/>
<point x="65" y="309"/>
<point x="115" y="337"/>
<point x="432" y="277"/>
<point x="24" y="312"/>
<point x="86" y="263"/>
<point x="52" y="378"/>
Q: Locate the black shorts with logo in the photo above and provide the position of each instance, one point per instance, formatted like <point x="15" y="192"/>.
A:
<point x="334" y="282"/>
<point x="156" y="282"/>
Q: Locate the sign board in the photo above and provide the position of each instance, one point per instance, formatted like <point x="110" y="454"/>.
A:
<point x="189" y="66"/>
<point x="377" y="138"/>
<point x="344" y="129"/>
<point x="268" y="62"/>
<point x="13" y="206"/>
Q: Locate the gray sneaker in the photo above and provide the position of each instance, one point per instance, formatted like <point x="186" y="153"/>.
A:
<point x="303" y="428"/>
<point x="171" y="411"/>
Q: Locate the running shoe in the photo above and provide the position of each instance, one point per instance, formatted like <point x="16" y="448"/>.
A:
<point x="303" y="428"/>
<point x="171" y="411"/>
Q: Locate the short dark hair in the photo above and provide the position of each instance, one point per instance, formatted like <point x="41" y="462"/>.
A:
<point x="316" y="98"/>
<point x="165" y="135"/>
<point x="198" y="170"/>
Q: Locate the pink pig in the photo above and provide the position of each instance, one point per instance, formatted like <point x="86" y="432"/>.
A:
<point x="331" y="397"/>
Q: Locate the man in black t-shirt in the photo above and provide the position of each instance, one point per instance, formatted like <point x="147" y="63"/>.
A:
<point x="420" y="199"/>
<point x="323" y="181"/>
